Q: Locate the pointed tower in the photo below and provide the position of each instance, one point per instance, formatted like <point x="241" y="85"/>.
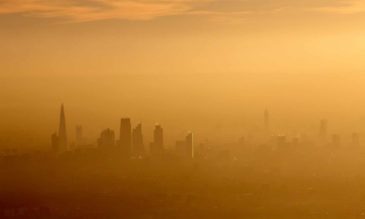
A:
<point x="62" y="135"/>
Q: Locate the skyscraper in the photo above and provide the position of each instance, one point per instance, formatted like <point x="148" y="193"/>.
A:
<point x="125" y="140"/>
<point x="62" y="134"/>
<point x="185" y="148"/>
<point x="157" y="146"/>
<point x="137" y="141"/>
<point x="190" y="145"/>
<point x="106" y="139"/>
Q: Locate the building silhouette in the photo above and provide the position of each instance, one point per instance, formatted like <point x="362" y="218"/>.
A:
<point x="157" y="146"/>
<point x="125" y="139"/>
<point x="106" y="139"/>
<point x="137" y="141"/>
<point x="59" y="142"/>
<point x="185" y="148"/>
<point x="190" y="145"/>
<point x="62" y="135"/>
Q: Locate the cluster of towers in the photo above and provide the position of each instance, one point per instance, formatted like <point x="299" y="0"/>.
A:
<point x="130" y="142"/>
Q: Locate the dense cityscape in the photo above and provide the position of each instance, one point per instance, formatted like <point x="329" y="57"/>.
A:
<point x="120" y="176"/>
<point x="182" y="109"/>
<point x="129" y="145"/>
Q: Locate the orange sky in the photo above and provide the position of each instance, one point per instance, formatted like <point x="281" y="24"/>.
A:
<point x="188" y="64"/>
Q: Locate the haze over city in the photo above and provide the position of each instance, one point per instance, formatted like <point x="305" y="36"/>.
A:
<point x="208" y="90"/>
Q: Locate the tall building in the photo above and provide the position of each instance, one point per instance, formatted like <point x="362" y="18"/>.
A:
<point x="137" y="141"/>
<point x="190" y="145"/>
<point x="185" y="148"/>
<point x="62" y="134"/>
<point x="106" y="139"/>
<point x="323" y="129"/>
<point x="59" y="142"/>
<point x="125" y="140"/>
<point x="157" y="146"/>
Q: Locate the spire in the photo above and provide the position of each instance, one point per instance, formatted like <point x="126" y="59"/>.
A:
<point x="62" y="130"/>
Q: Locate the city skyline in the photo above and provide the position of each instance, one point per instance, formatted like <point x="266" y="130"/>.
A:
<point x="131" y="141"/>
<point x="129" y="144"/>
<point x="207" y="64"/>
<point x="80" y="133"/>
<point x="184" y="109"/>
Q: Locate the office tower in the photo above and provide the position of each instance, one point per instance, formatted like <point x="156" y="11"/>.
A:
<point x="266" y="120"/>
<point x="79" y="136"/>
<point x="355" y="139"/>
<point x="157" y="146"/>
<point x="62" y="135"/>
<point x="106" y="139"/>
<point x="59" y="141"/>
<point x="125" y="140"/>
<point x="137" y="141"/>
<point x="323" y="129"/>
<point x="186" y="148"/>
<point x="190" y="145"/>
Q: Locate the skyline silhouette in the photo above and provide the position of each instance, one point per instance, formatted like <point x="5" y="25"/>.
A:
<point x="130" y="143"/>
<point x="127" y="175"/>
<point x="185" y="109"/>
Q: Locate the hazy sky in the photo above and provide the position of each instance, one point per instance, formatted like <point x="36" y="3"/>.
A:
<point x="202" y="65"/>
